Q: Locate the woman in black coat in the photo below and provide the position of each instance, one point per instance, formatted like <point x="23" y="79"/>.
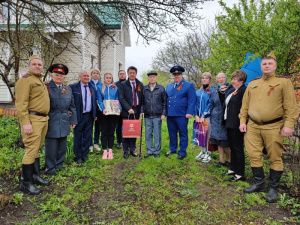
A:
<point x="233" y="103"/>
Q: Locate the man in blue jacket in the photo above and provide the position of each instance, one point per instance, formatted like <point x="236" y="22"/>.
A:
<point x="181" y="98"/>
<point x="85" y="101"/>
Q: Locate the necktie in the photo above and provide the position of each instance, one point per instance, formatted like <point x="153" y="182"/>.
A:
<point x="134" y="95"/>
<point x="85" y="97"/>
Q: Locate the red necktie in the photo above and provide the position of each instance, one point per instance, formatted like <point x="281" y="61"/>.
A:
<point x="134" y="95"/>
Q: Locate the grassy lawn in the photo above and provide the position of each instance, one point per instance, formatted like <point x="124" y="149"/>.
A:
<point x="135" y="191"/>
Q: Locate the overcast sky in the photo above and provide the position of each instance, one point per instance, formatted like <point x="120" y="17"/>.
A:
<point x="141" y="56"/>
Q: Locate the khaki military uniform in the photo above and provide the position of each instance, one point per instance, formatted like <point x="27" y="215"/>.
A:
<point x="265" y="101"/>
<point x="32" y="95"/>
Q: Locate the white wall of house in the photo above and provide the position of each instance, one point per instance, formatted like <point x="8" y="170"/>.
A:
<point x="90" y="48"/>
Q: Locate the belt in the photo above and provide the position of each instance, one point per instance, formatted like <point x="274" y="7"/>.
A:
<point x="37" y="113"/>
<point x="268" y="122"/>
<point x="59" y="111"/>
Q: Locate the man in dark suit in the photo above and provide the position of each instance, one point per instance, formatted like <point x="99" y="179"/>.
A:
<point x="131" y="99"/>
<point x="61" y="101"/>
<point x="122" y="77"/>
<point x="85" y="101"/>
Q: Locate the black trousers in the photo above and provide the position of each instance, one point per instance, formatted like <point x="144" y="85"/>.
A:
<point x="129" y="143"/>
<point x="119" y="129"/>
<point x="108" y="130"/>
<point x="55" y="153"/>
<point x="83" y="136"/>
<point x="236" y="144"/>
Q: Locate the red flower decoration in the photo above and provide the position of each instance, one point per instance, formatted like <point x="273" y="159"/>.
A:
<point x="207" y="91"/>
<point x="234" y="93"/>
<point x="113" y="87"/>
<point x="64" y="91"/>
<point x="271" y="89"/>
<point x="178" y="88"/>
<point x="139" y="88"/>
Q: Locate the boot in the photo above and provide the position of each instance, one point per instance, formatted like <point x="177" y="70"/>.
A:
<point x="110" y="154"/>
<point x="26" y="184"/>
<point x="104" y="154"/>
<point x="273" y="185"/>
<point x="259" y="178"/>
<point x="36" y="174"/>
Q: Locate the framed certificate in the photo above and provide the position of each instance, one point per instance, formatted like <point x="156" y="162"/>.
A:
<point x="111" y="107"/>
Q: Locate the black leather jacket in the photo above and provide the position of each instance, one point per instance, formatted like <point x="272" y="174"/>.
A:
<point x="154" y="101"/>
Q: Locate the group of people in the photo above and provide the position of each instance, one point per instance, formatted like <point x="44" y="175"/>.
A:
<point x="265" y="112"/>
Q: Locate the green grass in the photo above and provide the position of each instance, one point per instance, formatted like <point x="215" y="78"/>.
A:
<point x="137" y="191"/>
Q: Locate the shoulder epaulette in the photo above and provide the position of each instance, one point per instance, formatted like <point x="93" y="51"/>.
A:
<point x="26" y="75"/>
<point x="257" y="78"/>
<point x="283" y="76"/>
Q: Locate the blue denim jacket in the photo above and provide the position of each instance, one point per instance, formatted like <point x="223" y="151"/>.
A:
<point x="203" y="102"/>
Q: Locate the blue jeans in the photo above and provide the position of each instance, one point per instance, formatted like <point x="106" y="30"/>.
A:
<point x="153" y="128"/>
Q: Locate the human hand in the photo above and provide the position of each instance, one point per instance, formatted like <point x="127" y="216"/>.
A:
<point x="105" y="112"/>
<point x="131" y="111"/>
<point x="95" y="118"/>
<point x="287" y="132"/>
<point x="201" y="120"/>
<point x="243" y="128"/>
<point x="28" y="129"/>
<point x="142" y="115"/>
<point x="197" y="119"/>
<point x="73" y="126"/>
<point x="162" y="117"/>
<point x="188" y="116"/>
<point x="223" y="88"/>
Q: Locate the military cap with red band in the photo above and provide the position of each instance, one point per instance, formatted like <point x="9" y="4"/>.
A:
<point x="59" y="68"/>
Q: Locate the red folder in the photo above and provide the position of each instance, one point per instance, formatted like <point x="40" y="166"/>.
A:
<point x="131" y="128"/>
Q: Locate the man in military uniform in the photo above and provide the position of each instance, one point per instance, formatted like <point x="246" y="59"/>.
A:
<point x="61" y="103"/>
<point x="32" y="103"/>
<point x="181" y="98"/>
<point x="265" y="102"/>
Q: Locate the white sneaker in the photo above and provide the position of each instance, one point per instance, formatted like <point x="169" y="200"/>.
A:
<point x="91" y="149"/>
<point x="200" y="156"/>
<point x="96" y="146"/>
<point x="206" y="158"/>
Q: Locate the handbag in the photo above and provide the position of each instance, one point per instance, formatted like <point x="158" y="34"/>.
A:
<point x="131" y="128"/>
<point x="212" y="147"/>
<point x="200" y="133"/>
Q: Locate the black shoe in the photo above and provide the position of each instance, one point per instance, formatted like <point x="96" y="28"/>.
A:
<point x="180" y="157"/>
<point x="147" y="155"/>
<point x="227" y="164"/>
<point x="273" y="185"/>
<point x="26" y="184"/>
<point x="169" y="153"/>
<point x="133" y="154"/>
<point x="259" y="179"/>
<point x="84" y="158"/>
<point x="125" y="156"/>
<point x="235" y="179"/>
<point x="228" y="174"/>
<point x="51" y="173"/>
<point x="156" y="155"/>
<point x="80" y="161"/>
<point x="36" y="174"/>
<point x="220" y="164"/>
<point x="119" y="146"/>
